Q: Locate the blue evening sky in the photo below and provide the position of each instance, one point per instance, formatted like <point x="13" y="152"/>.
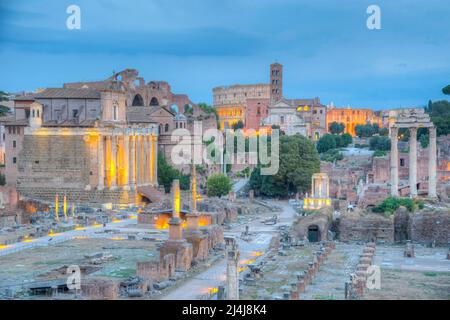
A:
<point x="324" y="45"/>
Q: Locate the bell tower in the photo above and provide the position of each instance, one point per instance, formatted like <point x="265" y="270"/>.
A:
<point x="276" y="82"/>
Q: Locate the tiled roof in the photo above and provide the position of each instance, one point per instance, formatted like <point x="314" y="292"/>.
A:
<point x="69" y="123"/>
<point x="27" y="97"/>
<point x="142" y="114"/>
<point x="10" y="120"/>
<point x="68" y="93"/>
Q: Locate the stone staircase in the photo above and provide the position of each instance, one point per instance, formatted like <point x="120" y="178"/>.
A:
<point x="80" y="196"/>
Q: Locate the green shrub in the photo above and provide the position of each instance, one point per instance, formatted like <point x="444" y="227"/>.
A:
<point x="332" y="155"/>
<point x="218" y="185"/>
<point x="390" y="204"/>
<point x="379" y="153"/>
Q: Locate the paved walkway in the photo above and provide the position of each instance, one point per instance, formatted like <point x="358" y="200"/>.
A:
<point x="216" y="275"/>
<point x="63" y="236"/>
<point x="329" y="282"/>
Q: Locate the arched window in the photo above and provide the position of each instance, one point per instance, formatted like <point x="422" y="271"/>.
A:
<point x="138" y="101"/>
<point x="154" y="102"/>
<point x="166" y="127"/>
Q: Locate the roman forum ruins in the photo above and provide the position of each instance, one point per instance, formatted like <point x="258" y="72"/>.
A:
<point x="412" y="120"/>
<point x="83" y="188"/>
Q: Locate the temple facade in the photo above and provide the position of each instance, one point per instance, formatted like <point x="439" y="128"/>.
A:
<point x="413" y="119"/>
<point x="80" y="143"/>
<point x="320" y="192"/>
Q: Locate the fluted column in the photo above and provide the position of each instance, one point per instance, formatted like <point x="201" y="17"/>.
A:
<point x="146" y="151"/>
<point x="126" y="162"/>
<point x="113" y="163"/>
<point x="101" y="163"/>
<point x="141" y="161"/>
<point x="133" y="161"/>
<point x="151" y="165"/>
<point x="413" y="162"/>
<point x="149" y="159"/>
<point x="108" y="160"/>
<point x="432" y="164"/>
<point x="138" y="160"/>
<point x="394" y="161"/>
<point x="155" y="159"/>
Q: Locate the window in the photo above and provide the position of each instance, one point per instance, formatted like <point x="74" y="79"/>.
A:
<point x="74" y="113"/>
<point x="14" y="160"/>
<point x="115" y="113"/>
<point x="32" y="113"/>
<point x="402" y="162"/>
<point x="14" y="143"/>
<point x="176" y="125"/>
<point x="37" y="111"/>
<point x="166" y="127"/>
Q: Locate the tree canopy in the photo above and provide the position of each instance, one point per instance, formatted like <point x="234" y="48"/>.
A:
<point x="366" y="130"/>
<point x="298" y="161"/>
<point x="336" y="128"/>
<point x="379" y="143"/>
<point x="218" y="185"/>
<point x="167" y="173"/>
<point x="440" y="115"/>
<point x="332" y="141"/>
<point x="446" y="90"/>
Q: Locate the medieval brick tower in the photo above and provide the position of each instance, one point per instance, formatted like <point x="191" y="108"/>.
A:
<point x="276" y="81"/>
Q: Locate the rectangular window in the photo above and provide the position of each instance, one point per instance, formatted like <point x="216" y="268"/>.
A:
<point x="14" y="160"/>
<point x="14" y="143"/>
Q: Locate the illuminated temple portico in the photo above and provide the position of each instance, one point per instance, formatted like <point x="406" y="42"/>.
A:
<point x="99" y="157"/>
<point x="126" y="160"/>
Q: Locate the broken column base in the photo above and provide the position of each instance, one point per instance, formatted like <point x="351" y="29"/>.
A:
<point x="182" y="250"/>
<point x="199" y="242"/>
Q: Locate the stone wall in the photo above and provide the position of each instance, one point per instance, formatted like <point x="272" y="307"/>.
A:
<point x="319" y="219"/>
<point x="430" y="226"/>
<point x="367" y="227"/>
<point x="54" y="161"/>
<point x="156" y="271"/>
<point x="100" y="289"/>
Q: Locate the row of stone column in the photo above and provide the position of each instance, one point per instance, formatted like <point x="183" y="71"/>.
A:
<point x="134" y="165"/>
<point x="413" y="162"/>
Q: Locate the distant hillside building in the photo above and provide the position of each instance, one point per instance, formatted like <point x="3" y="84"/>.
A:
<point x="351" y="117"/>
<point x="248" y="103"/>
<point x="298" y="116"/>
<point x="262" y="105"/>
